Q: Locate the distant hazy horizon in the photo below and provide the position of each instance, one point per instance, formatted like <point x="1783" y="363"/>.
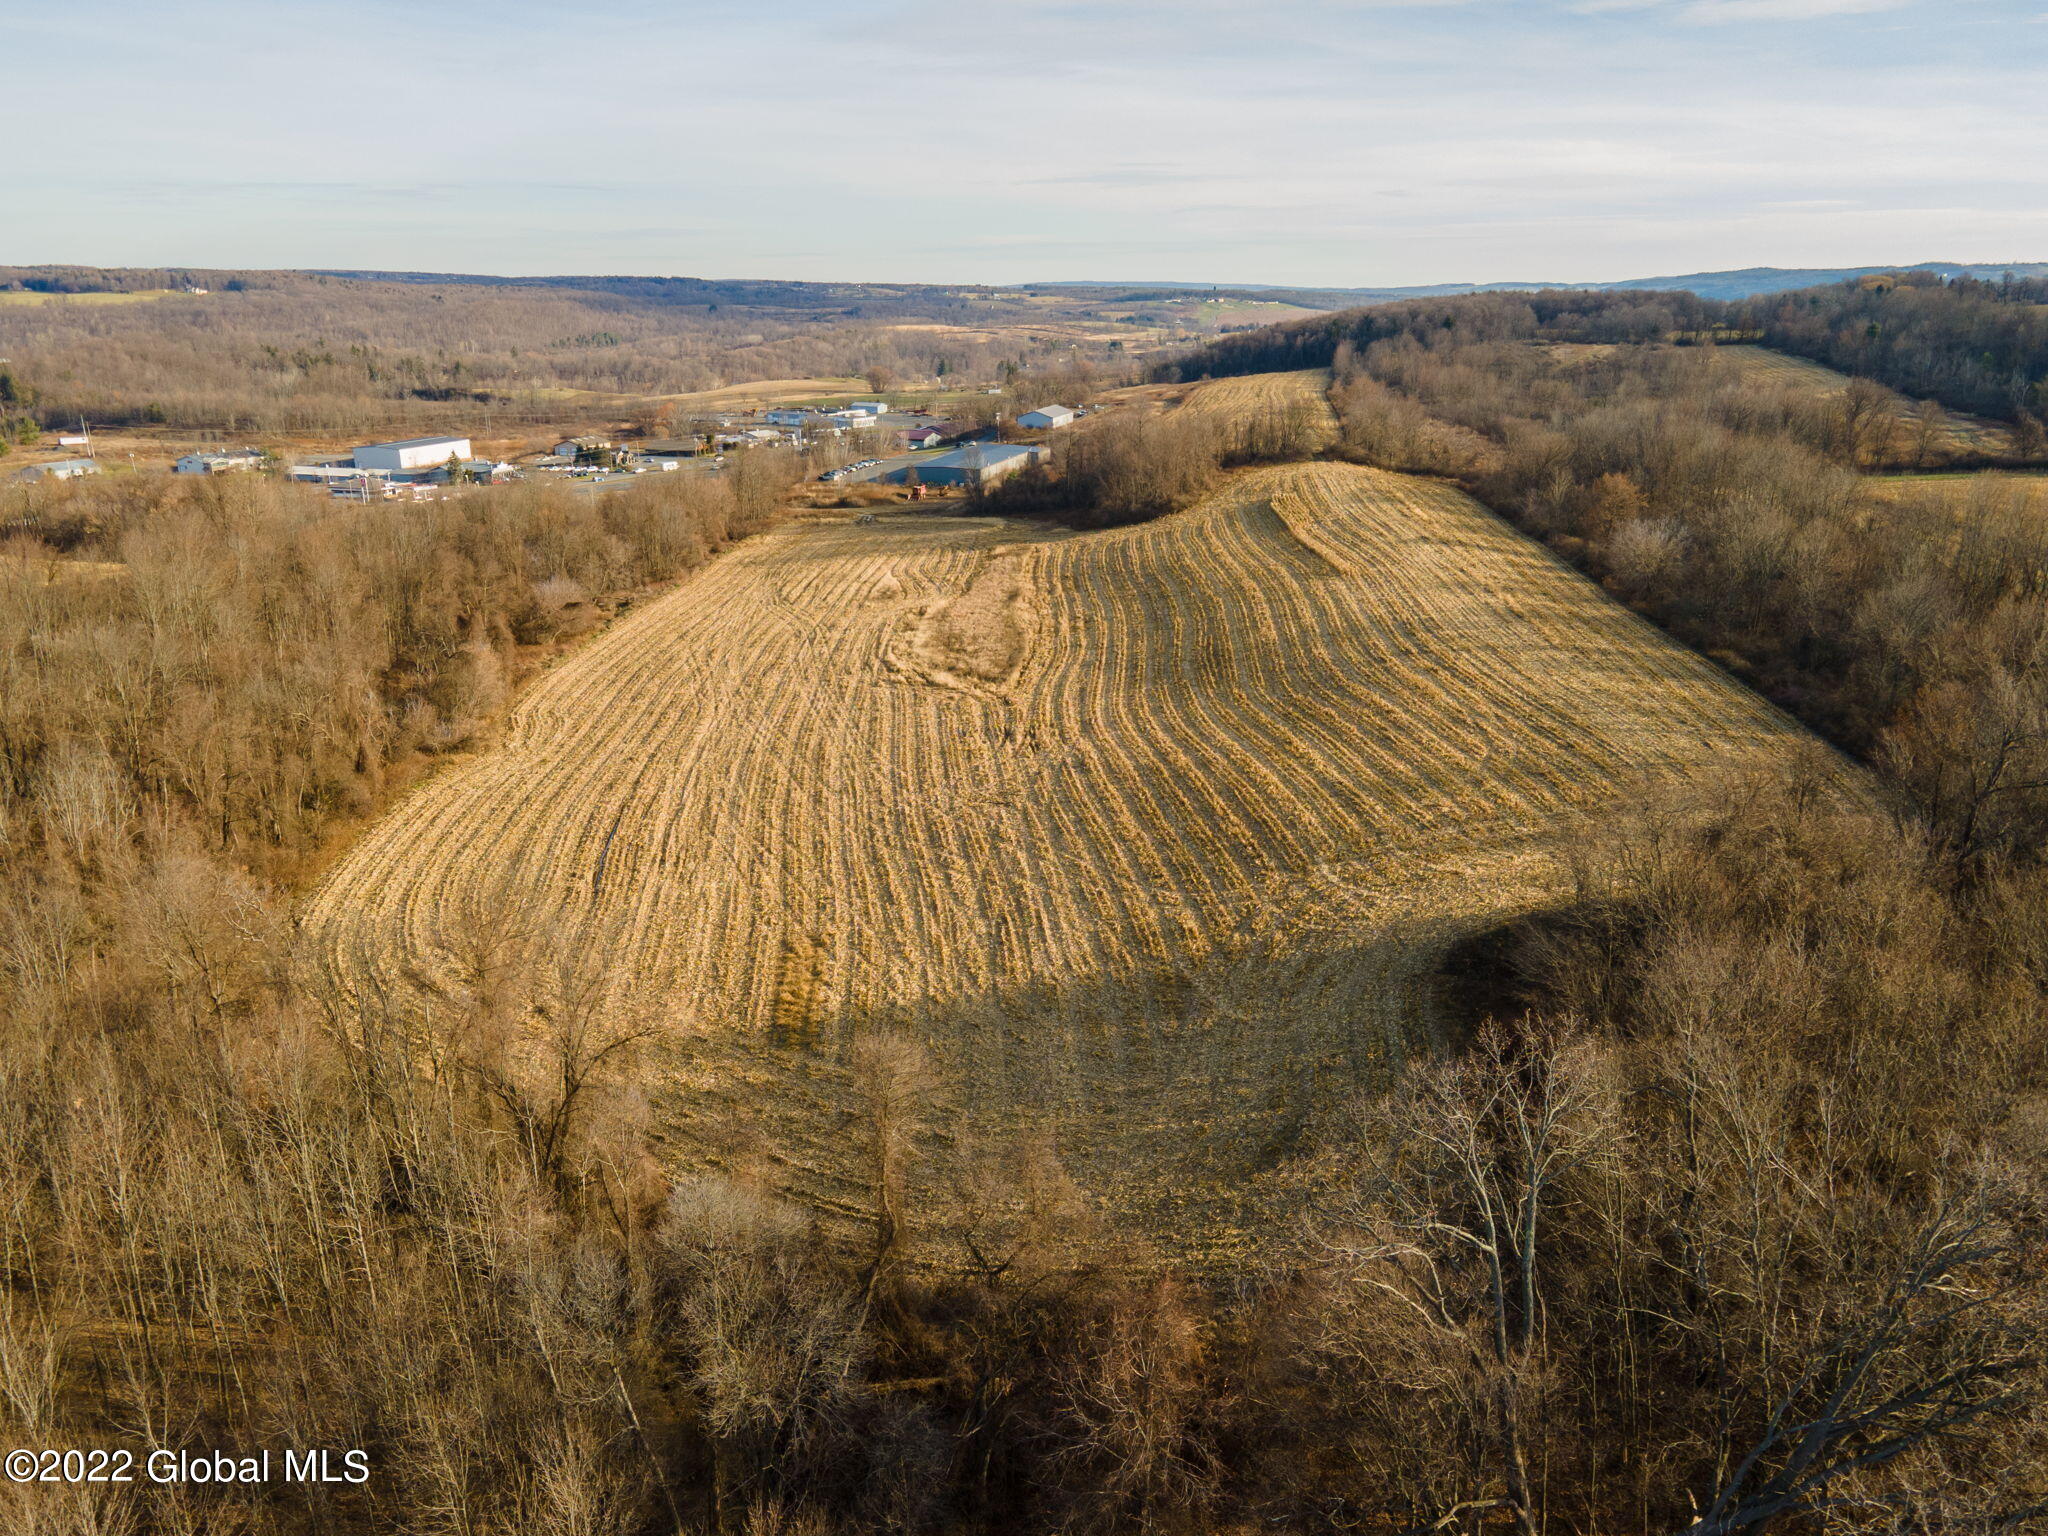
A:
<point x="1304" y="142"/>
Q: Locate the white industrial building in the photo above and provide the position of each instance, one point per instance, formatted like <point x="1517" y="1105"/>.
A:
<point x="1046" y="417"/>
<point x="869" y="407"/>
<point x="412" y="453"/>
<point x="850" y="419"/>
<point x="63" y="469"/>
<point x="219" y="462"/>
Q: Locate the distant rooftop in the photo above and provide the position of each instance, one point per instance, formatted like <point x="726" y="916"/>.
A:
<point x="417" y="442"/>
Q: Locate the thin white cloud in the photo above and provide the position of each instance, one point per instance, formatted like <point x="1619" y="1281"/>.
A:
<point x="1336" y="141"/>
<point x="1713" y="11"/>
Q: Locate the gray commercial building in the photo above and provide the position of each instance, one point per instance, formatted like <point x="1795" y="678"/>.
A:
<point x="978" y="464"/>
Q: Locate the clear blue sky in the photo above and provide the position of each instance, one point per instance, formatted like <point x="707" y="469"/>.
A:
<point x="1281" y="141"/>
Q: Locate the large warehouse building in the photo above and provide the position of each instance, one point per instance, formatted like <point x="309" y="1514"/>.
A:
<point x="413" y="453"/>
<point x="975" y="465"/>
<point x="1046" y="417"/>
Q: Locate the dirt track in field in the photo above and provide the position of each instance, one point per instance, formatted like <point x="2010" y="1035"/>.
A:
<point x="1151" y="839"/>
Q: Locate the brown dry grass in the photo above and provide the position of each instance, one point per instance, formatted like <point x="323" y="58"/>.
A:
<point x="1965" y="493"/>
<point x="764" y="392"/>
<point x="1245" y="398"/>
<point x="1151" y="397"/>
<point x="140" y="296"/>
<point x="1153" y="838"/>
<point x="1960" y="434"/>
<point x="1770" y="367"/>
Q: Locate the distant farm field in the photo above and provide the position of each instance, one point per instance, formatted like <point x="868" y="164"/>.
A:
<point x="1987" y="491"/>
<point x="140" y="296"/>
<point x="1306" y="391"/>
<point x="1960" y="435"/>
<point x="1768" y="366"/>
<point x="738" y="397"/>
<point x="1240" y="399"/>
<point x="1149" y="841"/>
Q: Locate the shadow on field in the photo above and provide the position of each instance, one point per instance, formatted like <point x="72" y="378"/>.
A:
<point x="1169" y="1105"/>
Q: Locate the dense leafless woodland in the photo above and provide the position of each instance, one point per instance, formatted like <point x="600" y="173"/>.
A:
<point x="1977" y="346"/>
<point x="1968" y="345"/>
<point x="305" y="353"/>
<point x="1729" y="1214"/>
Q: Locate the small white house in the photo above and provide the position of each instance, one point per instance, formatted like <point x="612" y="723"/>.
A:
<point x="412" y="453"/>
<point x="1046" y="417"/>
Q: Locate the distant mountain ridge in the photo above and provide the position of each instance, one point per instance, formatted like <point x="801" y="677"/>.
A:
<point x="1741" y="283"/>
<point x="960" y="300"/>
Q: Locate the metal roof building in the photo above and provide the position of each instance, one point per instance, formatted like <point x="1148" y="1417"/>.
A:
<point x="1047" y="416"/>
<point x="219" y="461"/>
<point x="412" y="453"/>
<point x="63" y="469"/>
<point x="978" y="464"/>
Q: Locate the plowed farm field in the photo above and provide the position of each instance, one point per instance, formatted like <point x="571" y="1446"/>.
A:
<point x="1149" y="840"/>
<point x="1269" y="394"/>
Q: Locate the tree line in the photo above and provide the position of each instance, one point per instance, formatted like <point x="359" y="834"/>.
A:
<point x="306" y="353"/>
<point x="1133" y="466"/>
<point x="1837" y="975"/>
<point x="1970" y="344"/>
<point x="1562" y="315"/>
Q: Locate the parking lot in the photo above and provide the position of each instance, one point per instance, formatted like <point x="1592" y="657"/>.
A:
<point x="874" y="469"/>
